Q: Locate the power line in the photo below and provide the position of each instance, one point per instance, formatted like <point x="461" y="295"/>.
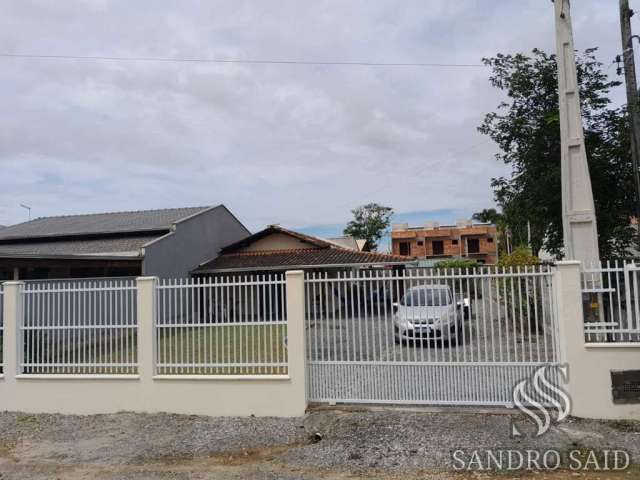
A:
<point x="249" y="61"/>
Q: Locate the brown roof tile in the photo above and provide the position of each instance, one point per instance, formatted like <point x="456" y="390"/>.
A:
<point x="306" y="257"/>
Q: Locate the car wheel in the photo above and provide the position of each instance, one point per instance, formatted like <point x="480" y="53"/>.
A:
<point x="454" y="332"/>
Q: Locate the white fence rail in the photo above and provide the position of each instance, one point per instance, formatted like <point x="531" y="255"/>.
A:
<point x="428" y="336"/>
<point x="611" y="292"/>
<point x="78" y="327"/>
<point x="1" y="329"/>
<point x="221" y="326"/>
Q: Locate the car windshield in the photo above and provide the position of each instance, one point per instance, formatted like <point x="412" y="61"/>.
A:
<point x="427" y="297"/>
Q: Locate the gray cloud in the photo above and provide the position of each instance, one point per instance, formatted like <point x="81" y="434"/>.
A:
<point x="300" y="145"/>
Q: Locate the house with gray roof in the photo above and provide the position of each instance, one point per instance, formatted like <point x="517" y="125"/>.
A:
<point x="165" y="243"/>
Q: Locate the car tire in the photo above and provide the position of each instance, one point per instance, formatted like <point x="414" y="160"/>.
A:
<point x="454" y="334"/>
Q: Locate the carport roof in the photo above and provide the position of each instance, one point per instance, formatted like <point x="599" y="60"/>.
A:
<point x="96" y="247"/>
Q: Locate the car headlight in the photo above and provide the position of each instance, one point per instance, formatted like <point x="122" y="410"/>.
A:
<point x="404" y="324"/>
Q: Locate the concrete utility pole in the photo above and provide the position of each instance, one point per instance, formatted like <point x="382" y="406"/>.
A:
<point x="578" y="212"/>
<point x="633" y="105"/>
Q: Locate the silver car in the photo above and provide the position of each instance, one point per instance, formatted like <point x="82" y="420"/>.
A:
<point x="428" y="312"/>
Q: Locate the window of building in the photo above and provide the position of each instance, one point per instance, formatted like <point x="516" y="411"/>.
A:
<point x="438" y="247"/>
<point x="490" y="240"/>
<point x="473" y="245"/>
<point x="405" y="248"/>
<point x="420" y="243"/>
<point x="454" y="241"/>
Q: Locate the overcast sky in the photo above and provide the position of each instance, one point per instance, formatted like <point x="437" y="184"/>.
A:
<point x="292" y="144"/>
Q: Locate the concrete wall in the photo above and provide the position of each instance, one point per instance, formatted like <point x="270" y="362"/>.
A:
<point x="260" y="395"/>
<point x="195" y="240"/>
<point x="590" y="365"/>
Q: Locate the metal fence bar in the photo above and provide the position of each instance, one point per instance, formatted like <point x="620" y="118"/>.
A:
<point x="611" y="301"/>
<point x="75" y="327"/>
<point x="221" y="326"/>
<point x="1" y="329"/>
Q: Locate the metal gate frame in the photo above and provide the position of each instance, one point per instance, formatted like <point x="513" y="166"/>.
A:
<point x="332" y="378"/>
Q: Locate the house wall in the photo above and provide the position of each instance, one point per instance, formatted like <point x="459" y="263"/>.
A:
<point x="421" y="242"/>
<point x="276" y="241"/>
<point x="194" y="241"/>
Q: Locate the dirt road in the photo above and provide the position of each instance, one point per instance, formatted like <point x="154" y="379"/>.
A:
<point x="328" y="444"/>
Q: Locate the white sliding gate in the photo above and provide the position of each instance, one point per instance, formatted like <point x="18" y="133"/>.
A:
<point x="424" y="336"/>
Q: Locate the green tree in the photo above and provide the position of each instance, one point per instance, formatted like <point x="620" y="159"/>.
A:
<point x="520" y="257"/>
<point x="487" y="215"/>
<point x="526" y="129"/>
<point x="491" y="215"/>
<point x="369" y="223"/>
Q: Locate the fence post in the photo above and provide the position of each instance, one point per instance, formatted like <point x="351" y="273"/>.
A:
<point x="297" y="354"/>
<point x="146" y="303"/>
<point x="568" y="293"/>
<point x="12" y="315"/>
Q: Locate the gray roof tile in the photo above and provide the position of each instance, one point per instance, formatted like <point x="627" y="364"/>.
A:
<point x="123" y="246"/>
<point x="99" y="223"/>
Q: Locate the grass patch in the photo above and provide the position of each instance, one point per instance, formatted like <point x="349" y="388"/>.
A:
<point x="193" y="349"/>
<point x="216" y="350"/>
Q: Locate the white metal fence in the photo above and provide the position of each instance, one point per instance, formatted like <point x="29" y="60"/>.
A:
<point x="611" y="302"/>
<point x="78" y="327"/>
<point x="1" y="329"/>
<point x="428" y="336"/>
<point x="421" y="336"/>
<point x="221" y="326"/>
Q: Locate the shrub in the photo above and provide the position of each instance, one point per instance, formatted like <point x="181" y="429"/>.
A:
<point x="520" y="257"/>
<point x="457" y="263"/>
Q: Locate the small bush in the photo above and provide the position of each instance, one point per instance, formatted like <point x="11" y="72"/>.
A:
<point x="460" y="286"/>
<point x="457" y="263"/>
<point x="520" y="257"/>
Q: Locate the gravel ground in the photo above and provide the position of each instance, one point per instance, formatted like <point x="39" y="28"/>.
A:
<point x="327" y="443"/>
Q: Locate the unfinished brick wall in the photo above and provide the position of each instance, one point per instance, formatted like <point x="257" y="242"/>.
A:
<point x="421" y="242"/>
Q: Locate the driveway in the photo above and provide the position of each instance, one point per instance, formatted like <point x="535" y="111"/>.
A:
<point x="494" y="333"/>
<point x="327" y="443"/>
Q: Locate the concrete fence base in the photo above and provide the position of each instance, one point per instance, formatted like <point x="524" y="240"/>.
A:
<point x="238" y="395"/>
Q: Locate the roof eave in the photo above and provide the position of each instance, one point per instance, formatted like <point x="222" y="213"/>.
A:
<point x="90" y="256"/>
<point x="189" y="217"/>
<point x="298" y="267"/>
